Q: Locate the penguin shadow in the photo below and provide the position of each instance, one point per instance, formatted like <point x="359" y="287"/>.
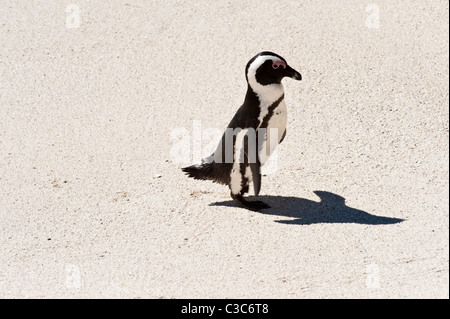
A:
<point x="330" y="209"/>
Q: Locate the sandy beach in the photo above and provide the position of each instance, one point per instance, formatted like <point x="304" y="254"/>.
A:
<point x="102" y="103"/>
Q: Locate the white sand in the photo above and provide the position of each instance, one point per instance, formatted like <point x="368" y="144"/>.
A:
<point x="92" y="204"/>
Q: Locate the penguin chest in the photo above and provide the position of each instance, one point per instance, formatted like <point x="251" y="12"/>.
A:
<point x="276" y="128"/>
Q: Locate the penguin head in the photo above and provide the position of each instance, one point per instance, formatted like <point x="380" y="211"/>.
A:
<point x="268" y="68"/>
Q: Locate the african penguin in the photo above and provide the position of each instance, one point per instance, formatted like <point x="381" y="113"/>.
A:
<point x="250" y="138"/>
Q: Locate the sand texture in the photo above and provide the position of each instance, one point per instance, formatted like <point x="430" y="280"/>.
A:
<point x="93" y="95"/>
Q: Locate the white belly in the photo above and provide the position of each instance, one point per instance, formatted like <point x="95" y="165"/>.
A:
<point x="279" y="120"/>
<point x="274" y="133"/>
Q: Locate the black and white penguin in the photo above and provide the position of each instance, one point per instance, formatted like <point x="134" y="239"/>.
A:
<point x="250" y="138"/>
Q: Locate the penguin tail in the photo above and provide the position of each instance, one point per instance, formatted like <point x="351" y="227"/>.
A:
<point x="202" y="171"/>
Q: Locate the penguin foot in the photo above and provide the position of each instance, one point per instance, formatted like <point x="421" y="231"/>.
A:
<point x="244" y="190"/>
<point x="254" y="206"/>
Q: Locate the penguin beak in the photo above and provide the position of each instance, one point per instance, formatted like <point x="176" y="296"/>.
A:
<point x="290" y="72"/>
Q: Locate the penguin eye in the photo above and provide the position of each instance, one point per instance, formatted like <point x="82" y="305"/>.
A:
<point x="276" y="65"/>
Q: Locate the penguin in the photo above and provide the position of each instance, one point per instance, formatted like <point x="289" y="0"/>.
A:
<point x="253" y="133"/>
